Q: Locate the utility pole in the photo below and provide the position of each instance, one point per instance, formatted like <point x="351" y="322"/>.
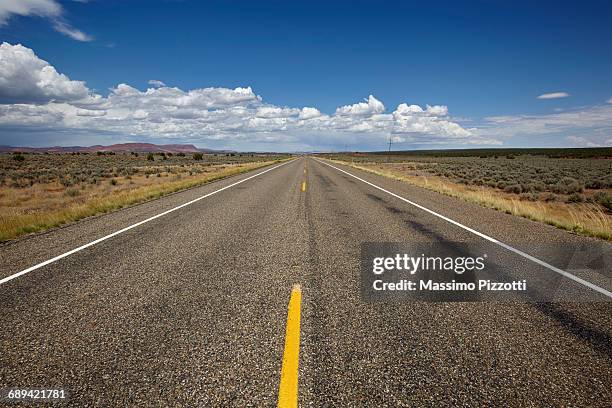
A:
<point x="389" y="155"/>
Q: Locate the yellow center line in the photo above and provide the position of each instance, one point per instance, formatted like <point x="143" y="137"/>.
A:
<point x="303" y="186"/>
<point x="288" y="388"/>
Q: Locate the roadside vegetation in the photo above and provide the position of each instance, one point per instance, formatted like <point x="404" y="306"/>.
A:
<point x="42" y="191"/>
<point x="568" y="188"/>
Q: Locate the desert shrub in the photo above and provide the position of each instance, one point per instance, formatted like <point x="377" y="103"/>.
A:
<point x="113" y="182"/>
<point x="537" y="186"/>
<point x="180" y="154"/>
<point x="567" y="185"/>
<point x="198" y="156"/>
<point x="18" y="157"/>
<point x="478" y="181"/>
<point x="548" y="197"/>
<point x="595" y="184"/>
<point x="514" y="188"/>
<point x="604" y="199"/>
<point x="575" y="198"/>
<point x="150" y="157"/>
<point x="72" y="192"/>
<point x="529" y="196"/>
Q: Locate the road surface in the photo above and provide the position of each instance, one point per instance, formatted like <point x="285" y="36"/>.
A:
<point x="191" y="308"/>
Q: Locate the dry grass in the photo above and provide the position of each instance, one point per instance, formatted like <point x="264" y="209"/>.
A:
<point x="44" y="206"/>
<point x="582" y="218"/>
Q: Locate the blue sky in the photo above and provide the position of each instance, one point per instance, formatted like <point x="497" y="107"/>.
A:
<point x="480" y="59"/>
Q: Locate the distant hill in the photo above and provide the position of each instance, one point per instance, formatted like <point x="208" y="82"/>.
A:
<point x="121" y="147"/>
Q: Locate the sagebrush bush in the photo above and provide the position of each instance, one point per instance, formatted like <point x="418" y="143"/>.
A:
<point x="568" y="185"/>
<point x="72" y="192"/>
<point x="576" y="198"/>
<point x="515" y="188"/>
<point x="604" y="198"/>
<point x="529" y="196"/>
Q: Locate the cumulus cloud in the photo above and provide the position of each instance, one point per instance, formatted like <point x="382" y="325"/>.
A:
<point x="33" y="94"/>
<point x="553" y="95"/>
<point x="24" y="78"/>
<point x="49" y="9"/>
<point x="437" y="110"/>
<point x="309" y="113"/>
<point x="156" y="83"/>
<point x="370" y="107"/>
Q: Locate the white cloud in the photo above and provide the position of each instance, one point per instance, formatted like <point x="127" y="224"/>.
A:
<point x="24" y="78"/>
<point x="156" y="83"/>
<point x="595" y="117"/>
<point x="404" y="109"/>
<point x="581" y="142"/>
<point x="275" y="112"/>
<point x="90" y="113"/>
<point x="588" y="126"/>
<point x="49" y="9"/>
<point x="309" y="113"/>
<point x="27" y="116"/>
<point x="140" y="114"/>
<point x="370" y="107"/>
<point x="437" y="110"/>
<point x="71" y="32"/>
<point x="553" y="95"/>
<point x="609" y="100"/>
<point x="34" y="94"/>
<point x="40" y="8"/>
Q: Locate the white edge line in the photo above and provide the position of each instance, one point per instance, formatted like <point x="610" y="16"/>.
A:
<point x="104" y="238"/>
<point x="488" y="238"/>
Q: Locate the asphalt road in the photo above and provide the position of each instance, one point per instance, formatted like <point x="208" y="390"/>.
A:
<point x="190" y="309"/>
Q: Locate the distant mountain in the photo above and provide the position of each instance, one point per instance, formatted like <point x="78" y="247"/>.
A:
<point x="121" y="147"/>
